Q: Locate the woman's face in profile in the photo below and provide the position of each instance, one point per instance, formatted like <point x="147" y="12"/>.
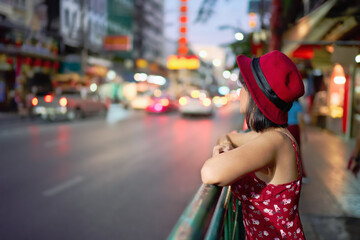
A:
<point x="244" y="100"/>
<point x="244" y="95"/>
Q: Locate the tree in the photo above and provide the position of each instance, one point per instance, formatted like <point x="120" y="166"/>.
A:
<point x="284" y="13"/>
<point x="206" y="10"/>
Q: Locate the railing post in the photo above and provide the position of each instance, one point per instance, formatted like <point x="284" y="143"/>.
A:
<point x="210" y="215"/>
<point x="194" y="221"/>
<point x="217" y="222"/>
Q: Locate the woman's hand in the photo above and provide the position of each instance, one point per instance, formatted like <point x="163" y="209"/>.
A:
<point x="354" y="166"/>
<point x="222" y="147"/>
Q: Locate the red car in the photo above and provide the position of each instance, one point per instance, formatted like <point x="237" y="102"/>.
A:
<point x="71" y="104"/>
<point x="164" y="103"/>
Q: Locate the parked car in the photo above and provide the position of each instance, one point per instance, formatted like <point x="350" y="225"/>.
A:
<point x="161" y="104"/>
<point x="70" y="104"/>
<point x="197" y="102"/>
<point x="141" y="101"/>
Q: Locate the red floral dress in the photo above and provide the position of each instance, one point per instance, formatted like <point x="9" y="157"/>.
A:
<point x="270" y="211"/>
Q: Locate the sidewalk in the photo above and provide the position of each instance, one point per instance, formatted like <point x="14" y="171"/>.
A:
<point x="330" y="203"/>
<point x="9" y="117"/>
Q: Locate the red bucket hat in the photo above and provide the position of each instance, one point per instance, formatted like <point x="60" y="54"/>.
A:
<point x="274" y="83"/>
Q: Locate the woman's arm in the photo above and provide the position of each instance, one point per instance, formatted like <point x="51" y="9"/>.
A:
<point x="238" y="139"/>
<point x="223" y="139"/>
<point x="302" y="125"/>
<point x="357" y="145"/>
<point x="226" y="168"/>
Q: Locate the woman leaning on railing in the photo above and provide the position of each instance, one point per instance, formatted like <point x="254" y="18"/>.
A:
<point x="262" y="166"/>
<point x="210" y="216"/>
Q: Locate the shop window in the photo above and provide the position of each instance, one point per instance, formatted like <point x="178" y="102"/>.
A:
<point x="67" y="18"/>
<point x="336" y="91"/>
<point x="357" y="92"/>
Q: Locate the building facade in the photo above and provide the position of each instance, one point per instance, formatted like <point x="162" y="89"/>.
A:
<point x="25" y="49"/>
<point x="325" y="46"/>
<point x="149" y="34"/>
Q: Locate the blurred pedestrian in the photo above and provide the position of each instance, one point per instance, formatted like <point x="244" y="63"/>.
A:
<point x="263" y="166"/>
<point x="296" y="126"/>
<point x="354" y="161"/>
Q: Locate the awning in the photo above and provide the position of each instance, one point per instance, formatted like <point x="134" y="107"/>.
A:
<point x="304" y="26"/>
<point x="336" y="33"/>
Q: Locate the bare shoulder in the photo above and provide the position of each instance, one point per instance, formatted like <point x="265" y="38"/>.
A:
<point x="277" y="138"/>
<point x="280" y="146"/>
<point x="241" y="138"/>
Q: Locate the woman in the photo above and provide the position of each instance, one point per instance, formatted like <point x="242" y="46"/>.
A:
<point x="262" y="166"/>
<point x="296" y="126"/>
<point x="354" y="161"/>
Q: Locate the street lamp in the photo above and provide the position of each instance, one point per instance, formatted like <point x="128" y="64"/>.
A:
<point x="216" y="62"/>
<point x="226" y="74"/>
<point x="237" y="31"/>
<point x="111" y="75"/>
<point x="234" y="77"/>
<point x="203" y="54"/>
<point x="239" y="36"/>
<point x="357" y="58"/>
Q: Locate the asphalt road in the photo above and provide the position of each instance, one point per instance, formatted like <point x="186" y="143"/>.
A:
<point x="93" y="180"/>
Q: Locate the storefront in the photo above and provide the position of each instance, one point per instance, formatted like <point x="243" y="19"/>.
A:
<point x="22" y="57"/>
<point x="329" y="36"/>
<point x="355" y="92"/>
<point x="343" y="91"/>
<point x="337" y="99"/>
<point x="7" y="83"/>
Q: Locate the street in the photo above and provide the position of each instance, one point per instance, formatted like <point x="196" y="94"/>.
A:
<point x="93" y="141"/>
<point x="132" y="179"/>
<point x="93" y="180"/>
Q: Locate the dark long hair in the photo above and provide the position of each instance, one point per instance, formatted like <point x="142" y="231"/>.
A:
<point x="255" y="119"/>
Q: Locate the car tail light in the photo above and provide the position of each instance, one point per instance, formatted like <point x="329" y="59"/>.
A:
<point x="165" y="102"/>
<point x="158" y="107"/>
<point x="183" y="101"/>
<point x="195" y="93"/>
<point x="34" y="101"/>
<point x="206" y="102"/>
<point x="48" y="98"/>
<point x="63" y="101"/>
<point x="224" y="100"/>
<point x="152" y="102"/>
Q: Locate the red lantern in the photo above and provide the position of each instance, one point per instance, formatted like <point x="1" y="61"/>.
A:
<point x="183" y="50"/>
<point x="27" y="61"/>
<point x="183" y="29"/>
<point x="37" y="63"/>
<point x="56" y="65"/>
<point x="183" y="9"/>
<point x="304" y="52"/>
<point x="47" y="64"/>
<point x="10" y="60"/>
<point x="18" y="43"/>
<point x="182" y="40"/>
<point x="183" y="19"/>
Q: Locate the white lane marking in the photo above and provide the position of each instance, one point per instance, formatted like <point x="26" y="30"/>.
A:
<point x="11" y="132"/>
<point x="63" y="186"/>
<point x="54" y="142"/>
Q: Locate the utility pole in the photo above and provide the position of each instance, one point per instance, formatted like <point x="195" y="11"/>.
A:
<point x="276" y="26"/>
<point x="84" y="51"/>
<point x="262" y="9"/>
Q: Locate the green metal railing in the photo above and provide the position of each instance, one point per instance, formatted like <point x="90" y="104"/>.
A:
<point x="210" y="216"/>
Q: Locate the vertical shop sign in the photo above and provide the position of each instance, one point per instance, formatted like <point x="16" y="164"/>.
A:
<point x="2" y="92"/>
<point x="182" y="42"/>
<point x="345" y="106"/>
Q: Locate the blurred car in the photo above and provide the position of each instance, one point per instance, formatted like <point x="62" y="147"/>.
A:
<point x="220" y="101"/>
<point x="141" y="101"/>
<point x="161" y="104"/>
<point x="70" y="104"/>
<point x="197" y="102"/>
